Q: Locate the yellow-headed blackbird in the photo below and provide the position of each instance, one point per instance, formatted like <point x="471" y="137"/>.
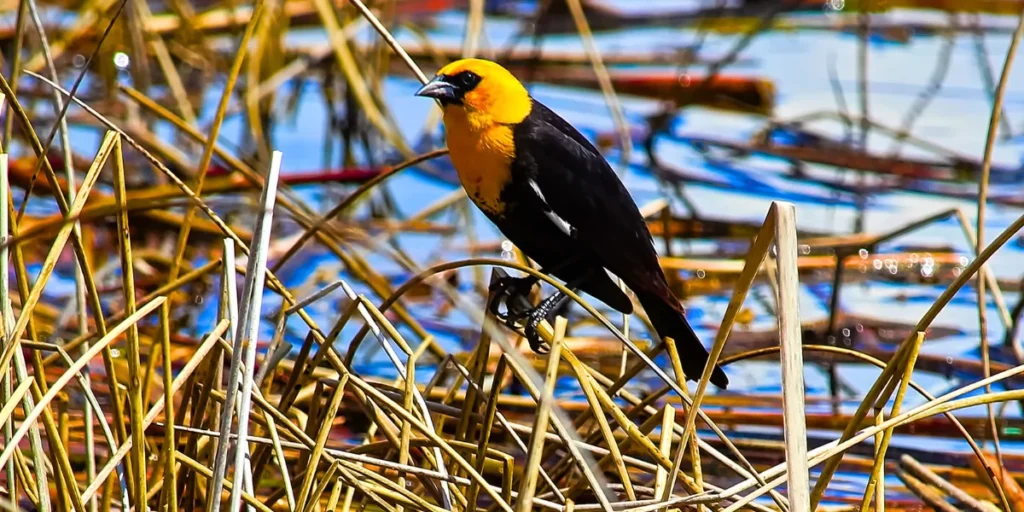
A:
<point x="553" y="195"/>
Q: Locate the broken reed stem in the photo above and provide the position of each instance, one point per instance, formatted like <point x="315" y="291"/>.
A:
<point x="228" y="410"/>
<point x="791" y="341"/>
<point x="756" y="255"/>
<point x="248" y="331"/>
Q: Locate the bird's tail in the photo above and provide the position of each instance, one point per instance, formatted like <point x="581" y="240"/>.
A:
<point x="667" y="317"/>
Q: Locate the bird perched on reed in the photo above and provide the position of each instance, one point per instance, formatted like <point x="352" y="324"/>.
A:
<point x="553" y="194"/>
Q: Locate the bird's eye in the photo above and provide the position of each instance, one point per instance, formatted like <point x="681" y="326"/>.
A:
<point x="468" y="79"/>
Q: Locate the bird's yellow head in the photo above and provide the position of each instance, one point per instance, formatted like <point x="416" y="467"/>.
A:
<point x="481" y="90"/>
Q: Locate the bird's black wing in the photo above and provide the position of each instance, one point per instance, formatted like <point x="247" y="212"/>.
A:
<point x="582" y="189"/>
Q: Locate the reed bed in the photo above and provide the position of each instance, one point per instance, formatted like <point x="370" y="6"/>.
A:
<point x="170" y="379"/>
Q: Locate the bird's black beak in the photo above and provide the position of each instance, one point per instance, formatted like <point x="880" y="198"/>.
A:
<point x="439" y="89"/>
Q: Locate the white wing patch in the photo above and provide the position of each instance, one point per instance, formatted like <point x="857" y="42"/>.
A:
<point x="560" y="222"/>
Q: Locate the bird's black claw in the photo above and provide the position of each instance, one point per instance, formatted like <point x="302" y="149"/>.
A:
<point x="513" y="292"/>
<point x="533" y="321"/>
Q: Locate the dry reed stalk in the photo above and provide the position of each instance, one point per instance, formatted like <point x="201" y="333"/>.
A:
<point x="6" y="393"/>
<point x="13" y="398"/>
<point x="169" y="493"/>
<point x="375" y="320"/>
<point x="379" y="324"/>
<point x="1014" y="492"/>
<point x="321" y="441"/>
<point x="41" y="493"/>
<point x="944" y="403"/>
<point x="247" y="332"/>
<point x="474" y="28"/>
<point x="204" y="161"/>
<point x="756" y="255"/>
<point x="792" y="357"/>
<point x="986" y="167"/>
<point x="532" y="388"/>
<point x="986" y="270"/>
<point x="200" y="469"/>
<point x="876" y="481"/>
<point x="104" y="424"/>
<point x="528" y="484"/>
<point x="51" y="259"/>
<point x="68" y="375"/>
<point x="512" y="429"/>
<point x="481" y="413"/>
<point x="360" y="270"/>
<point x="159" y="165"/>
<point x="913" y="467"/>
<point x="604" y="79"/>
<point x="138" y="454"/>
<point x="598" y="404"/>
<point x="226" y="414"/>
<point x="661" y="480"/>
<point x="80" y="287"/>
<point x="354" y="77"/>
<point x="407" y="404"/>
<point x="870" y="360"/>
<point x="698" y="472"/>
<point x="928" y="495"/>
<point x="166" y="289"/>
<point x="158" y="406"/>
<point x="522" y="370"/>
<point x="873" y="394"/>
<point x="382" y="400"/>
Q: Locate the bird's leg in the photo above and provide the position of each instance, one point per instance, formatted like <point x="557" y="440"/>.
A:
<point x="546" y="307"/>
<point x="540" y="313"/>
<point x="514" y="292"/>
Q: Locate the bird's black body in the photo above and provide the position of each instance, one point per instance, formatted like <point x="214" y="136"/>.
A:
<point x="554" y="196"/>
<point x="567" y="210"/>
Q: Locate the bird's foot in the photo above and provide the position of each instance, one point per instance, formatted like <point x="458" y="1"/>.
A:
<point x="535" y="316"/>
<point x="514" y="293"/>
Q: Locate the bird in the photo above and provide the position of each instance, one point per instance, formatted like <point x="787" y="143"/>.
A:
<point x="552" y="194"/>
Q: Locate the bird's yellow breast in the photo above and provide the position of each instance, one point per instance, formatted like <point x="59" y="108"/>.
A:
<point x="482" y="153"/>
